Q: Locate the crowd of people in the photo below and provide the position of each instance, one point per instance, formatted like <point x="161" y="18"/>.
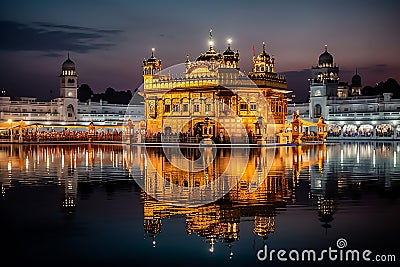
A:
<point x="65" y="135"/>
<point x="363" y="133"/>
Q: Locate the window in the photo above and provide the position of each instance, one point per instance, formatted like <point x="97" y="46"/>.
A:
<point x="253" y="106"/>
<point x="167" y="108"/>
<point x="175" y="108"/>
<point x="208" y="107"/>
<point x="185" y="107"/>
<point x="243" y="107"/>
<point x="317" y="110"/>
<point x="196" y="108"/>
<point x="262" y="68"/>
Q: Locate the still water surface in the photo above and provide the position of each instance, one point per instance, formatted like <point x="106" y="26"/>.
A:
<point x="81" y="205"/>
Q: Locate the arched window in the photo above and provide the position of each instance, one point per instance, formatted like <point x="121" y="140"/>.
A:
<point x="317" y="110"/>
<point x="70" y="111"/>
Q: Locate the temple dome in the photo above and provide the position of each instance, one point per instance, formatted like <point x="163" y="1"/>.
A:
<point x="356" y="80"/>
<point x="210" y="55"/>
<point x="325" y="58"/>
<point x="68" y="64"/>
<point x="152" y="59"/>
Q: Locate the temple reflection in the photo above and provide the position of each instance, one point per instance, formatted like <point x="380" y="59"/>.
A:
<point x="259" y="184"/>
<point x="219" y="220"/>
<point x="63" y="165"/>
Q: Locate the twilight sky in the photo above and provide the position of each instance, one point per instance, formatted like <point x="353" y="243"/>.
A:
<point x="109" y="39"/>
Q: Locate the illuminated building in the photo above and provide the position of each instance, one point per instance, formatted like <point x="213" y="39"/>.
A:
<point x="203" y="91"/>
<point x="349" y="115"/>
<point x="66" y="109"/>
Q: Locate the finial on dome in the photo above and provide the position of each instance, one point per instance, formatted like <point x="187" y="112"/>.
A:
<point x="210" y="42"/>
<point x="356" y="71"/>
<point x="68" y="54"/>
<point x="229" y="43"/>
<point x="263" y="43"/>
<point x="152" y="52"/>
<point x="326" y="48"/>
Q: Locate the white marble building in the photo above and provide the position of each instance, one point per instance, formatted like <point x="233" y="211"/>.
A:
<point x="348" y="114"/>
<point x="66" y="109"/>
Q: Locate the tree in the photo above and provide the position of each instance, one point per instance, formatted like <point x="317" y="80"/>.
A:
<point x="84" y="93"/>
<point x="110" y="95"/>
<point x="368" y="91"/>
<point x="392" y="86"/>
<point x="389" y="86"/>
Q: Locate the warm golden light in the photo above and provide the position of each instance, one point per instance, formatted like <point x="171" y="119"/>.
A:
<point x="211" y="43"/>
<point x="9" y="120"/>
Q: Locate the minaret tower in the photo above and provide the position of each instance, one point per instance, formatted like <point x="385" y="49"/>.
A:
<point x="263" y="63"/>
<point x="323" y="84"/>
<point x="68" y="79"/>
<point x="69" y="90"/>
<point x="151" y="66"/>
<point x="230" y="58"/>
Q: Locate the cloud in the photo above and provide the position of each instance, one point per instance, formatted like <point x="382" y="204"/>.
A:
<point x="53" y="38"/>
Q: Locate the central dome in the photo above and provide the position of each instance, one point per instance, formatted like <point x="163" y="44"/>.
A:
<point x="325" y="58"/>
<point x="210" y="55"/>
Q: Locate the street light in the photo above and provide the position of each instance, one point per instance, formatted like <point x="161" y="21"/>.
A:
<point x="11" y="130"/>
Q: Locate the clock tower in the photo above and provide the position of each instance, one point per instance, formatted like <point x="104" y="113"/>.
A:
<point x="69" y="90"/>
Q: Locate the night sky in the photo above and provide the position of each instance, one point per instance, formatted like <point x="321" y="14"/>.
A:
<point x="109" y="39"/>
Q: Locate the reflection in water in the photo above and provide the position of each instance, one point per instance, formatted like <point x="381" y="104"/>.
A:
<point x="323" y="175"/>
<point x="63" y="165"/>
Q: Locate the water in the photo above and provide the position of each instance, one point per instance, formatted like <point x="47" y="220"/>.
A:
<point x="84" y="205"/>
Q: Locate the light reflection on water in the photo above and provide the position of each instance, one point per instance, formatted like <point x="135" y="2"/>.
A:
<point x="309" y="197"/>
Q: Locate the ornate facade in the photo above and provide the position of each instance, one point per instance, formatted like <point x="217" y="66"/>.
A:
<point x="207" y="94"/>
<point x="348" y="114"/>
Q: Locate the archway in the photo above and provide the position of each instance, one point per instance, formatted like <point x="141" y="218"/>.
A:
<point x="317" y="110"/>
<point x="350" y="130"/>
<point x="334" y="130"/>
<point x="70" y="112"/>
<point x="366" y="130"/>
<point x="384" y="130"/>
